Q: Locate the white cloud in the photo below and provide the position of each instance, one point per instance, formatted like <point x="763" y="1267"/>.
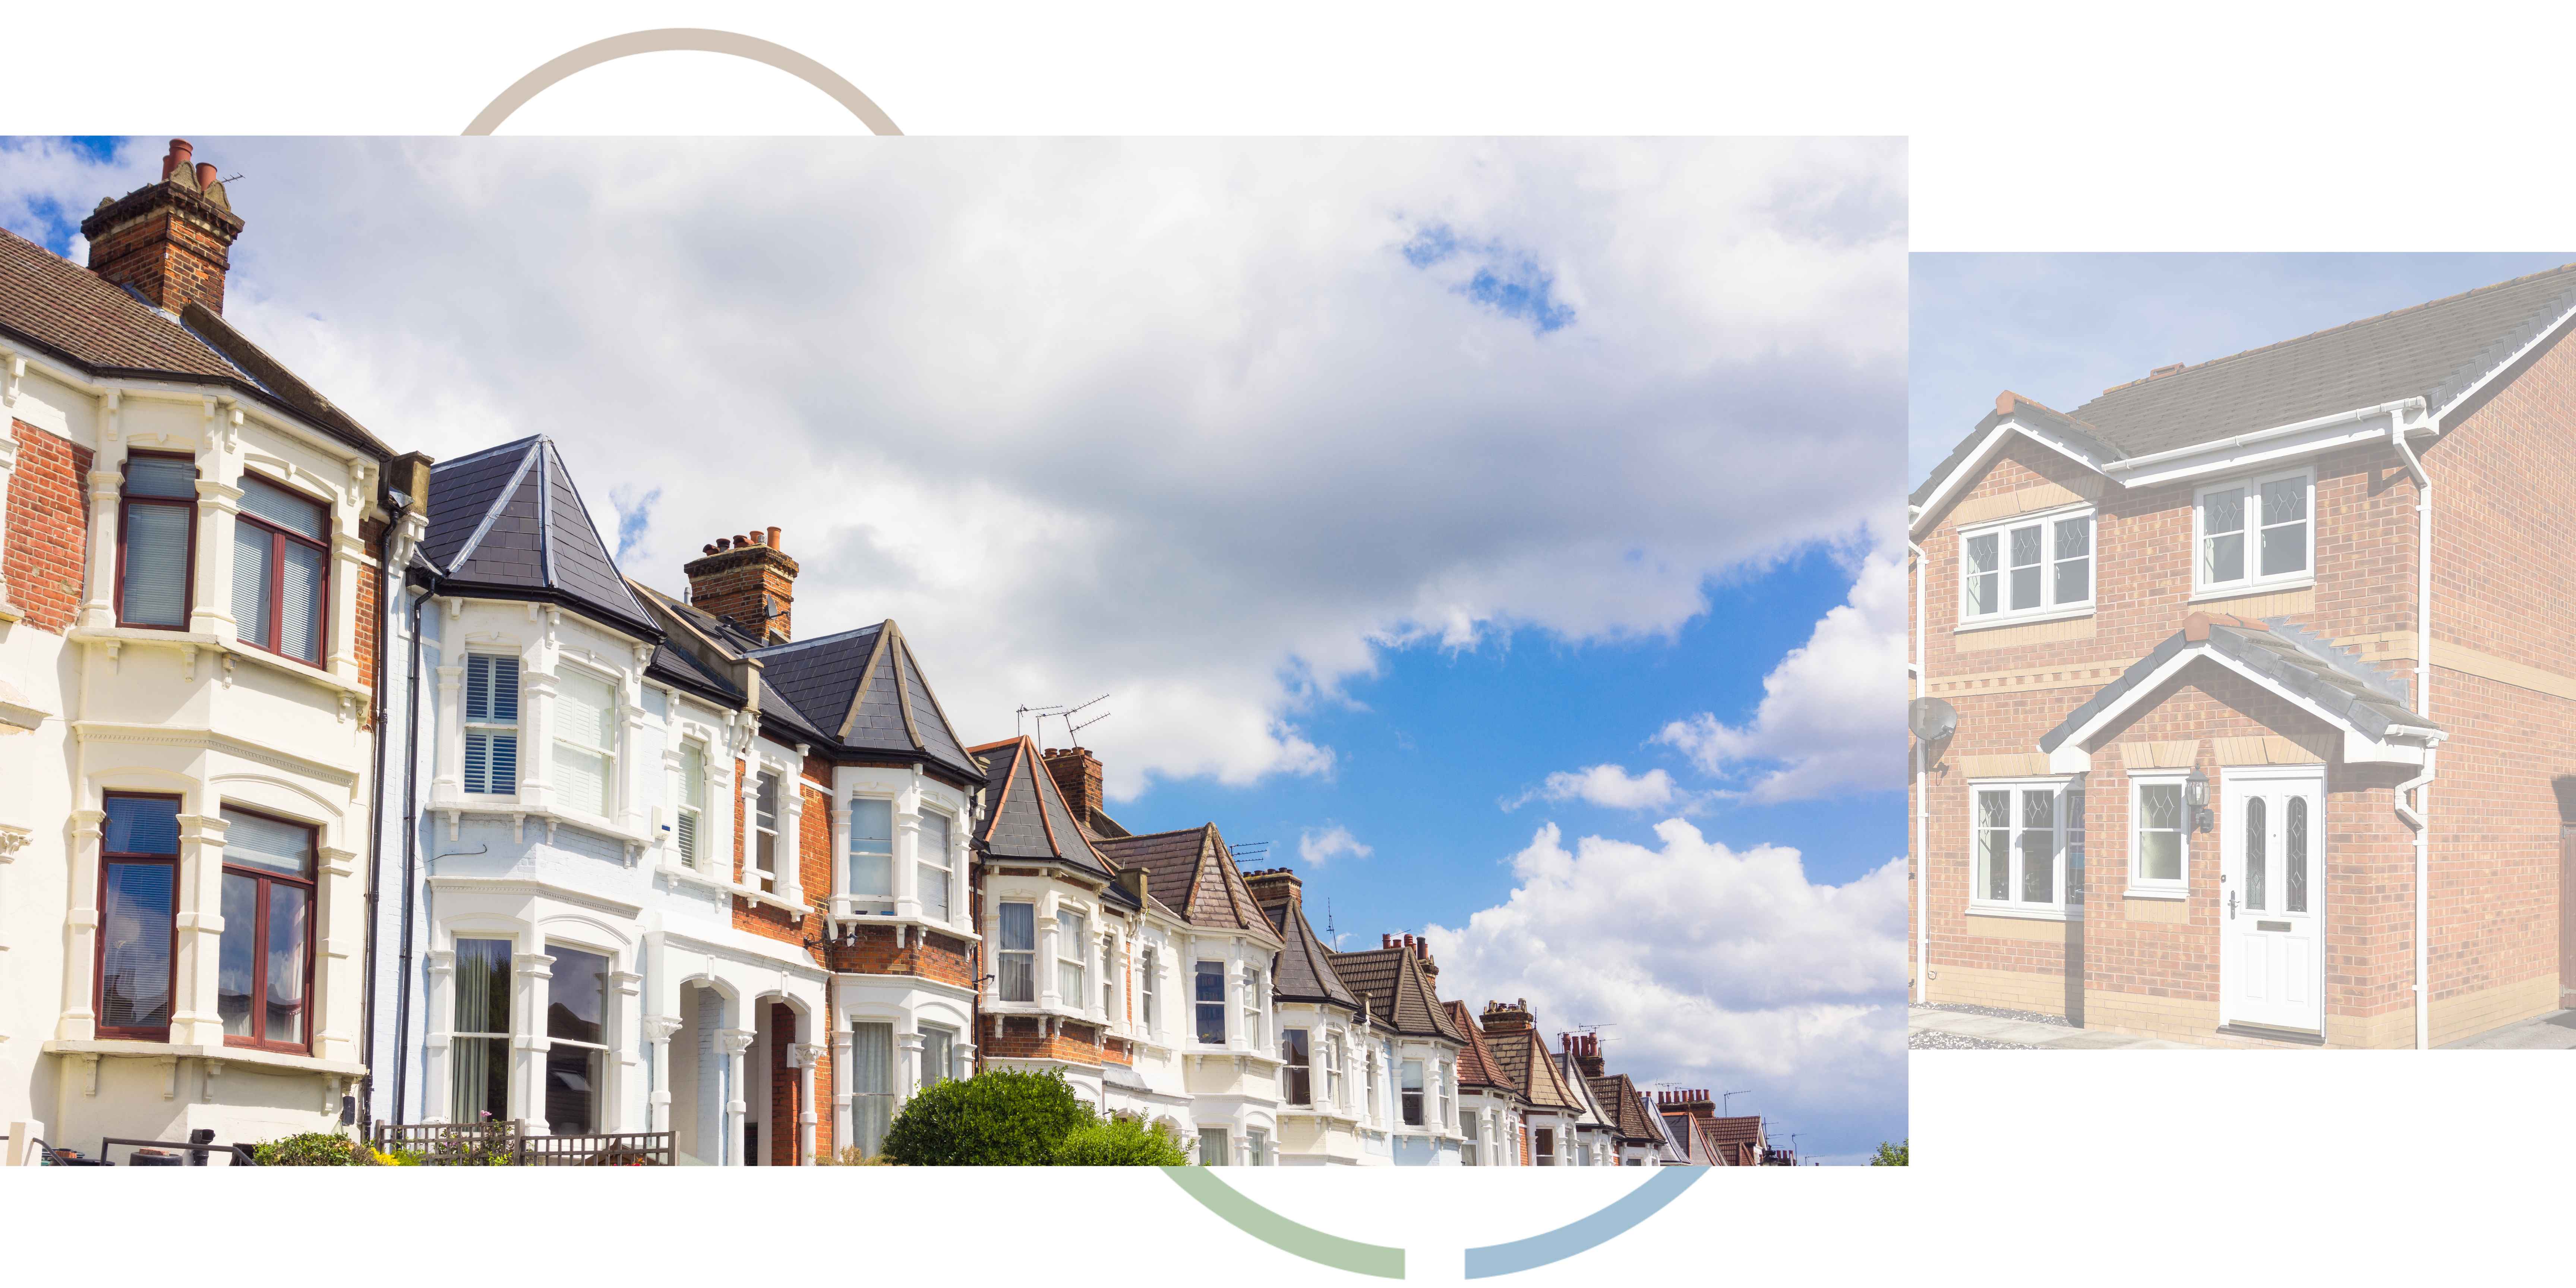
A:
<point x="1832" y="717"/>
<point x="1708" y="967"/>
<point x="1611" y="786"/>
<point x="1172" y="420"/>
<point x="1315" y="848"/>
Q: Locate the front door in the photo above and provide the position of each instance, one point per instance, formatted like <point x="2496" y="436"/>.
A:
<point x="2271" y="899"/>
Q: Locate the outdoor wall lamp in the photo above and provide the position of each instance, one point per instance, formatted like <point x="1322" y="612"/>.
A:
<point x="2195" y="793"/>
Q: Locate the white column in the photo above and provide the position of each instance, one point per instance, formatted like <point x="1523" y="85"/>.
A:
<point x="657" y="1037"/>
<point x="908" y="1064"/>
<point x="349" y="564"/>
<point x="843" y="1129"/>
<point x="840" y="888"/>
<point x="733" y="1042"/>
<point x="804" y="1055"/>
<point x="907" y="851"/>
<point x="747" y="792"/>
<point x="630" y="767"/>
<point x="1050" y="975"/>
<point x="625" y="1057"/>
<point x="448" y="752"/>
<point x="536" y="974"/>
<point x="438" y="1021"/>
<point x="716" y="830"/>
<point x="80" y="932"/>
<point x="537" y="723"/>
<point x="194" y="1018"/>
<point x="338" y="1009"/>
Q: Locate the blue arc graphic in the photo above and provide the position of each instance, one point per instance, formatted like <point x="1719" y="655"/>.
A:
<point x="1590" y="1232"/>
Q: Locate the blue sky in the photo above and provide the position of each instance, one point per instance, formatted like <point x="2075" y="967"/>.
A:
<point x="2062" y="328"/>
<point x="1380" y="483"/>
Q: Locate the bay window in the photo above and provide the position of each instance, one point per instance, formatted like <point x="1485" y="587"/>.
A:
<point x="2254" y="532"/>
<point x="871" y="848"/>
<point x="2028" y="839"/>
<point x="1109" y="978"/>
<point x="690" y="819"/>
<point x="2159" y="833"/>
<point x="1471" y="1123"/>
<point x="1255" y="1031"/>
<point x="577" y="1041"/>
<point x="491" y="723"/>
<point x="1256" y="1147"/>
<point x="1019" y="943"/>
<point x="138" y="916"/>
<point x="764" y="830"/>
<point x="1153" y="992"/>
<point x="479" y="1042"/>
<point x="937" y="1046"/>
<point x="1411" y="1089"/>
<point x="1447" y="1097"/>
<point x="1211" y="1003"/>
<point x="871" y="1084"/>
<point x="2027" y="567"/>
<point x="281" y="570"/>
<point x="934" y="861"/>
<point x="156" y="540"/>
<point x="1070" y="948"/>
<point x="1333" y="1057"/>
<point x="1368" y="1058"/>
<point x="585" y="760"/>
<point x="1212" y="1147"/>
<point x="265" y="964"/>
<point x="1546" y="1147"/>
<point x="1297" y="1077"/>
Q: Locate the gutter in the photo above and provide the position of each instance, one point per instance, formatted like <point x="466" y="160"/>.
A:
<point x="2390" y="409"/>
<point x="2421" y="784"/>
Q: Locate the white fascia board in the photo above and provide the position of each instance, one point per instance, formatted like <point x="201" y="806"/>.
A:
<point x="2358" y="746"/>
<point x="1980" y="458"/>
<point x="2264" y="446"/>
<point x="2070" y="758"/>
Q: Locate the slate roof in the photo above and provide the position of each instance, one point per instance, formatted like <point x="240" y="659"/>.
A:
<point x="1476" y="1066"/>
<point x="1628" y="1105"/>
<point x="861" y="690"/>
<point x="508" y="519"/>
<point x="2434" y="351"/>
<point x="1521" y="1055"/>
<point x="104" y="329"/>
<point x="2359" y="694"/>
<point x="1398" y="993"/>
<point x="1192" y="872"/>
<point x="1304" y="971"/>
<point x="1027" y="818"/>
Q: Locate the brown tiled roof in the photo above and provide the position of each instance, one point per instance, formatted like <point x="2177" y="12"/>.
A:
<point x="1522" y="1056"/>
<point x="1738" y="1137"/>
<point x="1304" y="972"/>
<point x="99" y="327"/>
<point x="1626" y="1104"/>
<point x="1398" y="993"/>
<point x="1028" y="818"/>
<point x="1190" y="870"/>
<point x="1476" y="1066"/>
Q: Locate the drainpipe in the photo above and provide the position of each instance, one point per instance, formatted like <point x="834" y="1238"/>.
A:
<point x="1922" y="810"/>
<point x="411" y="845"/>
<point x="2421" y="784"/>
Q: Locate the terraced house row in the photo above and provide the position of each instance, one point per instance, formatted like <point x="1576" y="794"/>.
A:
<point x="342" y="786"/>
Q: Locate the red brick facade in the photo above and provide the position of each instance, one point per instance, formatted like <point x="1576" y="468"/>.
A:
<point x="1022" y="1037"/>
<point x="2504" y="691"/>
<point x="48" y="544"/>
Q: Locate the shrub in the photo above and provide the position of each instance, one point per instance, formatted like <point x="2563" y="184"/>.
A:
<point x="998" y="1118"/>
<point x="851" y="1156"/>
<point x="1891" y="1155"/>
<point x="1120" y="1142"/>
<point x="314" y="1149"/>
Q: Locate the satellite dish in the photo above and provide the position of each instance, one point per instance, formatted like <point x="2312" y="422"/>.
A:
<point x="1931" y="719"/>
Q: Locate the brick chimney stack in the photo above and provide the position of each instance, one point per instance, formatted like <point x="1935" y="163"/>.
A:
<point x="1696" y="1102"/>
<point x="748" y="581"/>
<point x="1272" y="887"/>
<point x="1077" y="774"/>
<point x="1505" y="1017"/>
<point x="172" y="240"/>
<point x="1586" y="1050"/>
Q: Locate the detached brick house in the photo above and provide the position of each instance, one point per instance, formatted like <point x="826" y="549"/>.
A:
<point x="2202" y="783"/>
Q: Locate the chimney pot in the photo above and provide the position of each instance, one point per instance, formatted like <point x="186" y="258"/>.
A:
<point x="205" y="175"/>
<point x="773" y="536"/>
<point x="180" y="151"/>
<point x="169" y="241"/>
<point x="707" y="549"/>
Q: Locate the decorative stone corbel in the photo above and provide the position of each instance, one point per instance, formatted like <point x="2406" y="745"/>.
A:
<point x="89" y="1073"/>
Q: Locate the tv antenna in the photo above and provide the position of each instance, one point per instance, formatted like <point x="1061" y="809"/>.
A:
<point x="1073" y="728"/>
<point x="1726" y="1102"/>
<point x="1255" y="849"/>
<point x="1329" y="936"/>
<point x="1022" y="715"/>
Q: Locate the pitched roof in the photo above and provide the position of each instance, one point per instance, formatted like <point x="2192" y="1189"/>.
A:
<point x="2435" y="351"/>
<point x="1191" y="871"/>
<point x="1740" y="1138"/>
<point x="1304" y="972"/>
<point x="1476" y="1066"/>
<point x="106" y="330"/>
<point x="2278" y="654"/>
<point x="1626" y="1106"/>
<point x="1398" y="993"/>
<point x="1027" y="818"/>
<point x="508" y="519"/>
<point x="1522" y="1056"/>
<point x="861" y="690"/>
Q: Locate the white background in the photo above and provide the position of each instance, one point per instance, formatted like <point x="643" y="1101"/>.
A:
<point x="2034" y="127"/>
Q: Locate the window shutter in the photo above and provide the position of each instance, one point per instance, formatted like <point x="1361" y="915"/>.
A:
<point x="492" y="689"/>
<point x="581" y="762"/>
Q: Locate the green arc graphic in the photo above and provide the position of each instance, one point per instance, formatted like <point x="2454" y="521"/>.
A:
<point x="1286" y="1235"/>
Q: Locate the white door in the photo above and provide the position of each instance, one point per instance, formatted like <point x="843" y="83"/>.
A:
<point x="2271" y="959"/>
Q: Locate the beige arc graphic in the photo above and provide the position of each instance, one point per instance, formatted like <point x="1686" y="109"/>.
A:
<point x="687" y="39"/>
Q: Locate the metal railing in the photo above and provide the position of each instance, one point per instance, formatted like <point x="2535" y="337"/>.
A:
<point x="507" y="1143"/>
<point x="147" y="1153"/>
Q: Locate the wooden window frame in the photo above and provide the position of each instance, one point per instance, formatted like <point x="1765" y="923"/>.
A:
<point x="312" y="887"/>
<point x="98" y="962"/>
<point x="278" y="537"/>
<point x="125" y="503"/>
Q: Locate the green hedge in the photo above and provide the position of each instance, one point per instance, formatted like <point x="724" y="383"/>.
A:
<point x="1120" y="1142"/>
<point x="998" y="1118"/>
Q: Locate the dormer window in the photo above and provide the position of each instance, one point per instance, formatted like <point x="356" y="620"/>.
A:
<point x="2255" y="532"/>
<point x="2030" y="567"/>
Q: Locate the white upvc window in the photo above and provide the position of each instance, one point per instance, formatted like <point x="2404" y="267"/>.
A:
<point x="2160" y="826"/>
<point x="585" y="737"/>
<point x="1151" y="1004"/>
<point x="764" y="830"/>
<point x="1368" y="1058"/>
<point x="1333" y="1070"/>
<point x="689" y="824"/>
<point x="870" y="874"/>
<point x="2027" y="843"/>
<point x="933" y="859"/>
<point x="2255" y="532"/>
<point x="1109" y="979"/>
<point x="1017" y="933"/>
<point x="1071" y="946"/>
<point x="1256" y="1033"/>
<point x="2031" y="566"/>
<point x="492" y="723"/>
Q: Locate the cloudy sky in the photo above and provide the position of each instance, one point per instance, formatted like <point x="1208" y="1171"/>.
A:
<point x="2063" y="328"/>
<point x="1497" y="530"/>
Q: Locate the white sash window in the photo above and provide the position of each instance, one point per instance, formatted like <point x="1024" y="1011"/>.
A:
<point x="690" y="826"/>
<point x="491" y="723"/>
<point x="585" y="761"/>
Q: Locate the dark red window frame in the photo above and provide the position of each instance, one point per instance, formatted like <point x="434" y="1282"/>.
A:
<point x="125" y="503"/>
<point x="108" y="858"/>
<point x="259" y="940"/>
<point x="277" y="539"/>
